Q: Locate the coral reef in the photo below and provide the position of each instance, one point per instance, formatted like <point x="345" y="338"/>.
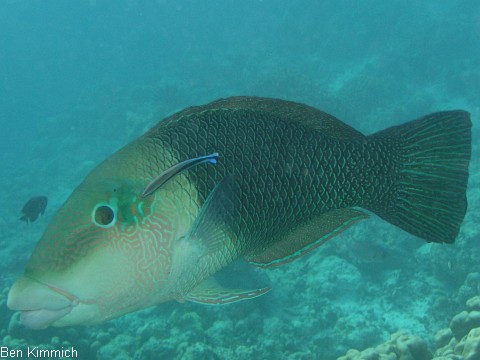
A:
<point x="460" y="341"/>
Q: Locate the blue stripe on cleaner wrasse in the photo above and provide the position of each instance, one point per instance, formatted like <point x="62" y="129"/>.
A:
<point x="174" y="170"/>
<point x="153" y="223"/>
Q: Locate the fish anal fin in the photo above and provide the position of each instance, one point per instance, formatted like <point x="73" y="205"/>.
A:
<point x="306" y="237"/>
<point x="211" y="292"/>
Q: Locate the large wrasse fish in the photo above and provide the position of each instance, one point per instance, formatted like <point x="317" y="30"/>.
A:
<point x="263" y="179"/>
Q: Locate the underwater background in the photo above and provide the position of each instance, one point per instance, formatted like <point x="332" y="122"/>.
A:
<point x="80" y="79"/>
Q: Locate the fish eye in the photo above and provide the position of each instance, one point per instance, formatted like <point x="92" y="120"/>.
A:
<point x="104" y="215"/>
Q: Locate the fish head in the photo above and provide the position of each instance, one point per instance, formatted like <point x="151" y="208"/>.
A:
<point x="107" y="252"/>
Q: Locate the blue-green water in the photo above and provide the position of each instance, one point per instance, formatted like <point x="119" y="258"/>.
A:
<point x="79" y="79"/>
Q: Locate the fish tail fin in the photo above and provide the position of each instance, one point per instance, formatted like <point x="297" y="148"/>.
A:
<point x="432" y="156"/>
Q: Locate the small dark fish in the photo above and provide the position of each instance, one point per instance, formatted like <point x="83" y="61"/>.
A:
<point x="34" y="208"/>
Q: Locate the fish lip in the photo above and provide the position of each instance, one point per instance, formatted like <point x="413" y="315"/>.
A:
<point x="55" y="303"/>
<point x="43" y="318"/>
<point x="16" y="305"/>
<point x="73" y="299"/>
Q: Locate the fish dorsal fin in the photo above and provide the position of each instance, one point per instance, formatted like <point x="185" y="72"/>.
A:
<point x="307" y="237"/>
<point x="209" y="226"/>
<point x="303" y="114"/>
<point x="306" y="115"/>
<point x="211" y="292"/>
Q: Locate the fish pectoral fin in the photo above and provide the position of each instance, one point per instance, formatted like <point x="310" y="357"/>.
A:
<point x="306" y="237"/>
<point x="211" y="292"/>
<point x="210" y="226"/>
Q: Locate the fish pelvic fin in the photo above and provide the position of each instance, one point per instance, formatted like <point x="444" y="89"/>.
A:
<point x="433" y="155"/>
<point x="211" y="292"/>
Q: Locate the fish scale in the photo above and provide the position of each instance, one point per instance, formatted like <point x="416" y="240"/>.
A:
<point x="244" y="149"/>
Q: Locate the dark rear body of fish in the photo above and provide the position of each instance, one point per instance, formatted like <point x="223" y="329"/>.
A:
<point x="299" y="173"/>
